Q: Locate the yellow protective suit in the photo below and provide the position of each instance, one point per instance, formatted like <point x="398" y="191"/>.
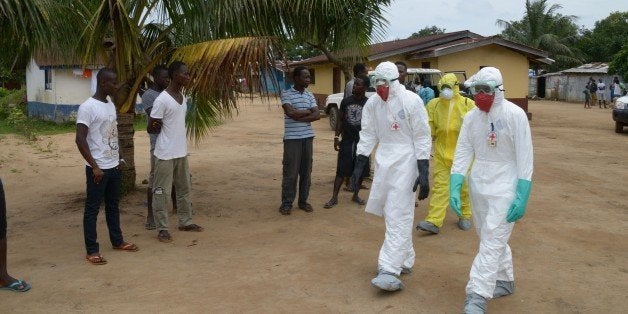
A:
<point x="445" y="119"/>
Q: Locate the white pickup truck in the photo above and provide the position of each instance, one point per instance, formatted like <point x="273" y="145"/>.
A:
<point x="332" y="103"/>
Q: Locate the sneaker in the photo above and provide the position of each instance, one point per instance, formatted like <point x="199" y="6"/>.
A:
<point x="464" y="224"/>
<point x="427" y="226"/>
<point x="387" y="281"/>
<point x="503" y="288"/>
<point x="474" y="304"/>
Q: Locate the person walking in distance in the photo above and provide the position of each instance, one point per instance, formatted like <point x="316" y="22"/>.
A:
<point x="445" y="117"/>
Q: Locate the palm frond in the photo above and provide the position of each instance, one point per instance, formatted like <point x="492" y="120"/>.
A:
<point x="216" y="66"/>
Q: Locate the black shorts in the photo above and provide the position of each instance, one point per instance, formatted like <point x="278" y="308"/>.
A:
<point x="3" y="213"/>
<point x="346" y="160"/>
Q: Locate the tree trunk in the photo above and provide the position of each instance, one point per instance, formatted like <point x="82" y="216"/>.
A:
<point x="127" y="150"/>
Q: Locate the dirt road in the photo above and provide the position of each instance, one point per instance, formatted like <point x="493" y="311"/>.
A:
<point x="570" y="251"/>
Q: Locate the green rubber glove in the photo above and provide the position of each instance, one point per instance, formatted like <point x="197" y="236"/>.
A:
<point x="518" y="207"/>
<point x="455" y="185"/>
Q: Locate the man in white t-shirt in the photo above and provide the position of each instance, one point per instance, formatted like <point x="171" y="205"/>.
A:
<point x="167" y="118"/>
<point x="97" y="140"/>
<point x="601" y="94"/>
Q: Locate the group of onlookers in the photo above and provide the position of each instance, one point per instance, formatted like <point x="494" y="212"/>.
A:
<point x="595" y="92"/>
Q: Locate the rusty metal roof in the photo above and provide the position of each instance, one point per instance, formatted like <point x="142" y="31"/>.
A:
<point x="593" y="67"/>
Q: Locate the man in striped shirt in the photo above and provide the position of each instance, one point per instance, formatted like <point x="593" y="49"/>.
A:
<point x="299" y="106"/>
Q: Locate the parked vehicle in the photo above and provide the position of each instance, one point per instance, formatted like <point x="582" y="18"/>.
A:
<point x="332" y="103"/>
<point x="620" y="114"/>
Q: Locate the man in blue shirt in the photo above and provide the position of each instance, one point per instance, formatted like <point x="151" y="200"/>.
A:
<point x="299" y="106"/>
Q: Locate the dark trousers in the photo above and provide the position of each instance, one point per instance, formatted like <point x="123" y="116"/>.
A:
<point x="3" y="213"/>
<point x="109" y="188"/>
<point x="297" y="163"/>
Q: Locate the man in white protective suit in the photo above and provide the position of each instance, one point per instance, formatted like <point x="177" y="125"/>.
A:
<point x="495" y="142"/>
<point x="396" y="120"/>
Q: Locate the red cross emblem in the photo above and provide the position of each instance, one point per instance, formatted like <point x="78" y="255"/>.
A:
<point x="395" y="126"/>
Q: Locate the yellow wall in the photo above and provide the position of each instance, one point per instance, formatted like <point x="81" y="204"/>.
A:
<point x="324" y="79"/>
<point x="513" y="66"/>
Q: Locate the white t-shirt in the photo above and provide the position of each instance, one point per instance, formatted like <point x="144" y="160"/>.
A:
<point x="102" y="134"/>
<point x="600" y="88"/>
<point x="171" y="142"/>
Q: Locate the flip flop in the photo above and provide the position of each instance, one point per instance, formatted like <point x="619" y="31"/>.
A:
<point x="330" y="204"/>
<point x="96" y="259"/>
<point x="17" y="286"/>
<point x="127" y="246"/>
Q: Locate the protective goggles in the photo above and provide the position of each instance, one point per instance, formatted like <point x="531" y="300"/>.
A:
<point x="445" y="86"/>
<point x="483" y="87"/>
<point x="380" y="80"/>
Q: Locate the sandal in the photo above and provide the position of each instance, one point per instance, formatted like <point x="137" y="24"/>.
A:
<point x="96" y="259"/>
<point x="330" y="204"/>
<point x="127" y="246"/>
<point x="358" y="200"/>
<point x="17" y="286"/>
<point x="191" y="227"/>
<point x="164" y="236"/>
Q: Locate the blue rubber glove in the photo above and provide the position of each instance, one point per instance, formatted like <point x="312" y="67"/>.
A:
<point x="518" y="207"/>
<point x="455" y="185"/>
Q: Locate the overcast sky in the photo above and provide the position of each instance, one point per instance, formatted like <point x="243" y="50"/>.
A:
<point x="479" y="16"/>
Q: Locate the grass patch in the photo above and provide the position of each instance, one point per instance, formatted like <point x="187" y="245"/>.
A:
<point x="52" y="128"/>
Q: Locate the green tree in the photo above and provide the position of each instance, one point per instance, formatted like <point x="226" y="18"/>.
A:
<point x="606" y="39"/>
<point x="543" y="28"/>
<point x="22" y="25"/>
<point x="427" y="31"/>
<point x="619" y="64"/>
<point x="220" y="40"/>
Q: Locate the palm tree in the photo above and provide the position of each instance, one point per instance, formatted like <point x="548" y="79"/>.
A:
<point x="22" y="25"/>
<point x="220" y="40"/>
<point x="543" y="28"/>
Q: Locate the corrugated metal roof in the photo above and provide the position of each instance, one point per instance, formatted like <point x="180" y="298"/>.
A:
<point x="594" y="67"/>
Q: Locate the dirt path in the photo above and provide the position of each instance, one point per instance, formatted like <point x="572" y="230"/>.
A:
<point x="570" y="251"/>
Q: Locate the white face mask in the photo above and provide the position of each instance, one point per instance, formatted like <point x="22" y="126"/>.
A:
<point x="447" y="93"/>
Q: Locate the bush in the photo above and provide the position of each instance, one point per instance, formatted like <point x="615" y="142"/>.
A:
<point x="12" y="99"/>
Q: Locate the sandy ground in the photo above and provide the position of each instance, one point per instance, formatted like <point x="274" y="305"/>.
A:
<point x="570" y="250"/>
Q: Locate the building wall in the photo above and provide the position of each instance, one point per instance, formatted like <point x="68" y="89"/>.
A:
<point x="570" y="86"/>
<point x="68" y="90"/>
<point x="513" y="66"/>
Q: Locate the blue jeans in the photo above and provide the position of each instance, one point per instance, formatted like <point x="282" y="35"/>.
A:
<point x="109" y="189"/>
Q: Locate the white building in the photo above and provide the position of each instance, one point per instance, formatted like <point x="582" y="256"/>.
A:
<point x="54" y="92"/>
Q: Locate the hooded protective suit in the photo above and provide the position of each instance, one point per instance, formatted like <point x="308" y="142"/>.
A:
<point x="445" y="118"/>
<point x="499" y="144"/>
<point x="400" y="128"/>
